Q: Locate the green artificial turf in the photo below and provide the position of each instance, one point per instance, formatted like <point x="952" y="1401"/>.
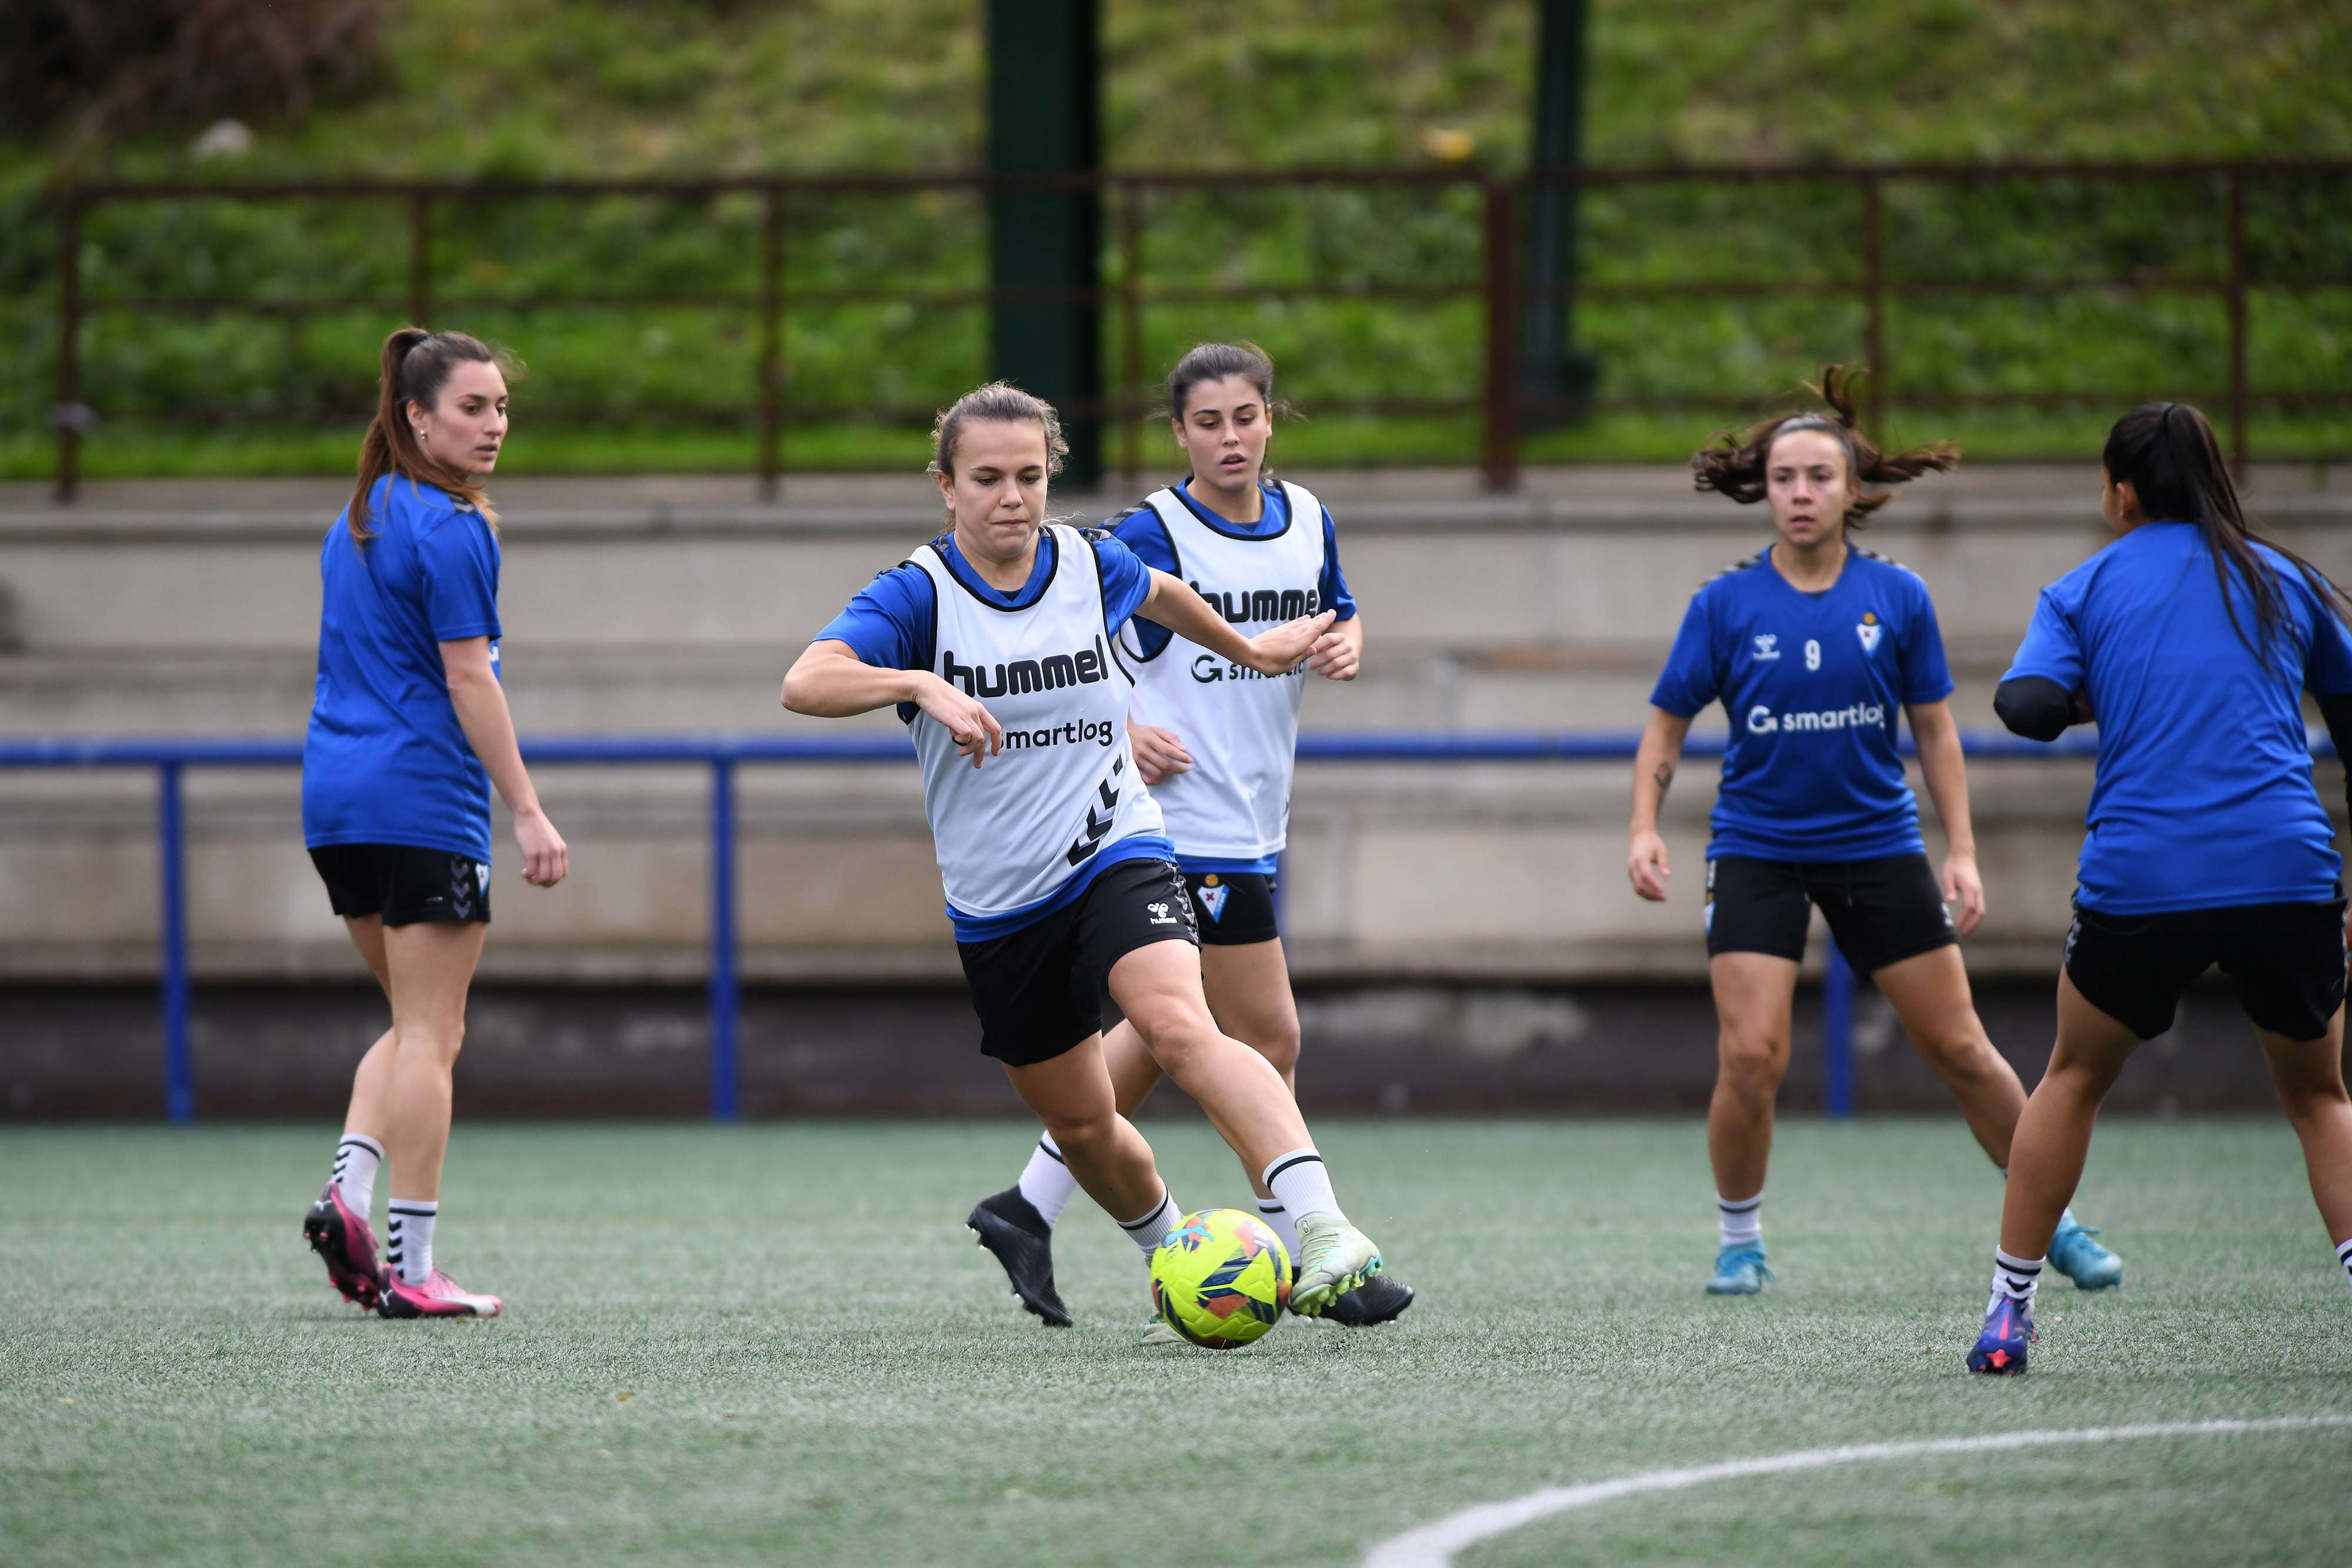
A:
<point x="777" y="1344"/>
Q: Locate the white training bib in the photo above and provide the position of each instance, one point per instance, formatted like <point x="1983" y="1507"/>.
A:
<point x="1240" y="727"/>
<point x="1013" y="830"/>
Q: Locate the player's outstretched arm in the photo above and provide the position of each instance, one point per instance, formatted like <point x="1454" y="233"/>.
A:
<point x="1654" y="771"/>
<point x="1174" y="604"/>
<point x="1937" y="735"/>
<point x="830" y="681"/>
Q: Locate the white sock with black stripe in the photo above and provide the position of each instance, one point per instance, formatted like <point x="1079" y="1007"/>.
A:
<point x="408" y="1244"/>
<point x="2013" y="1280"/>
<point x="1741" y="1220"/>
<point x="1046" y="1181"/>
<point x="1278" y="1217"/>
<point x="357" y="1159"/>
<point x="1146" y="1232"/>
<point x="1301" y="1184"/>
<point x="2343" y="1256"/>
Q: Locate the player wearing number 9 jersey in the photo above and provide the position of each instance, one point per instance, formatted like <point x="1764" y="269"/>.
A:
<point x="1814" y="647"/>
<point x="1217" y="742"/>
<point x="997" y="645"/>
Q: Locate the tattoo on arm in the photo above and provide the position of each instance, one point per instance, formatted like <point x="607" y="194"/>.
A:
<point x="1665" y="777"/>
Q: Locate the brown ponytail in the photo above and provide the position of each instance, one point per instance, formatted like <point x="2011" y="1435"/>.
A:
<point x="415" y="365"/>
<point x="1737" y="468"/>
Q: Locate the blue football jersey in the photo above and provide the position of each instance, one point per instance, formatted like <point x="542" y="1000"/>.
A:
<point x="2203" y="797"/>
<point x="1814" y="684"/>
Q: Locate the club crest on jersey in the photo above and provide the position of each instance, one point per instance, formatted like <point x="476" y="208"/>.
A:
<point x="1767" y="645"/>
<point x="1868" y="630"/>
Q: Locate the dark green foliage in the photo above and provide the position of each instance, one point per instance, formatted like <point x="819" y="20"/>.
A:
<point x="138" y="65"/>
<point x="570" y="86"/>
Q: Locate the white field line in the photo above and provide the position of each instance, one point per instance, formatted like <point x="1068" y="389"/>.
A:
<point x="1433" y="1545"/>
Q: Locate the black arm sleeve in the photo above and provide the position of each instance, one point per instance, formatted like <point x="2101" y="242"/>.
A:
<point x="2040" y="709"/>
<point x="2336" y="713"/>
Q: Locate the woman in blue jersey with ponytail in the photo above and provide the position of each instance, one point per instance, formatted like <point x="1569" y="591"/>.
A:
<point x="409" y="734"/>
<point x="1814" y="647"/>
<point x="998" y="645"/>
<point x="1217" y="743"/>
<point x="2189" y="642"/>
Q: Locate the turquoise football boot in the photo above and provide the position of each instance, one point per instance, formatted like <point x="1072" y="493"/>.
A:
<point x="1739" y="1270"/>
<point x="2073" y="1254"/>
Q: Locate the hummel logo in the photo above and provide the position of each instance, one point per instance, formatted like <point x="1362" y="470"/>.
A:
<point x="1767" y="645"/>
<point x="1160" y="916"/>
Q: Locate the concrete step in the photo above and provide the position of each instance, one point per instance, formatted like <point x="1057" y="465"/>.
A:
<point x="631" y="1051"/>
<point x="667" y="606"/>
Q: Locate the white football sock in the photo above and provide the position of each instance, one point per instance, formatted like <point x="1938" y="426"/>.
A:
<point x="2343" y="1256"/>
<point x="1046" y="1182"/>
<point x="2013" y="1279"/>
<point x="1301" y="1184"/>
<point x="1278" y="1219"/>
<point x="1147" y="1231"/>
<point x="408" y="1244"/>
<point x="357" y="1159"/>
<point x="1741" y="1220"/>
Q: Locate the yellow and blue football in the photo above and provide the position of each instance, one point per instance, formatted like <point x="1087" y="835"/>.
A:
<point x="1221" y="1278"/>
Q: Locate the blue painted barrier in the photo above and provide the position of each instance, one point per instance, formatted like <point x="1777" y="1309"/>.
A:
<point x="722" y="754"/>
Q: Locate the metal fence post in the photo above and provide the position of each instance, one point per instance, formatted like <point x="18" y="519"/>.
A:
<point x="1874" y="308"/>
<point x="772" y="339"/>
<point x="171" y="850"/>
<point x="69" y="415"/>
<point x="1837" y="1036"/>
<point x="1130" y="332"/>
<point x="420" y="259"/>
<point x="1502" y="434"/>
<point x="724" y="1076"/>
<point x="2238" y="453"/>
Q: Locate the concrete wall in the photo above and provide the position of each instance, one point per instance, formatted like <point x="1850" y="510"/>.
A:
<point x="537" y="1049"/>
<point x="659" y="606"/>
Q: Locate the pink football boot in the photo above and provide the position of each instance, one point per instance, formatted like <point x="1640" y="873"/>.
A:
<point x="342" y="1239"/>
<point x="438" y="1297"/>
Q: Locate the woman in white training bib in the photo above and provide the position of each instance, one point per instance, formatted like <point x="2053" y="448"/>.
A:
<point x="998" y="644"/>
<point x="1216" y="741"/>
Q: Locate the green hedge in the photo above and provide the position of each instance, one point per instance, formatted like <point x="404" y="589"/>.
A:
<point x="554" y="87"/>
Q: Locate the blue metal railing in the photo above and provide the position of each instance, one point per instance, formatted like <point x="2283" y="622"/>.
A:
<point x="723" y="754"/>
